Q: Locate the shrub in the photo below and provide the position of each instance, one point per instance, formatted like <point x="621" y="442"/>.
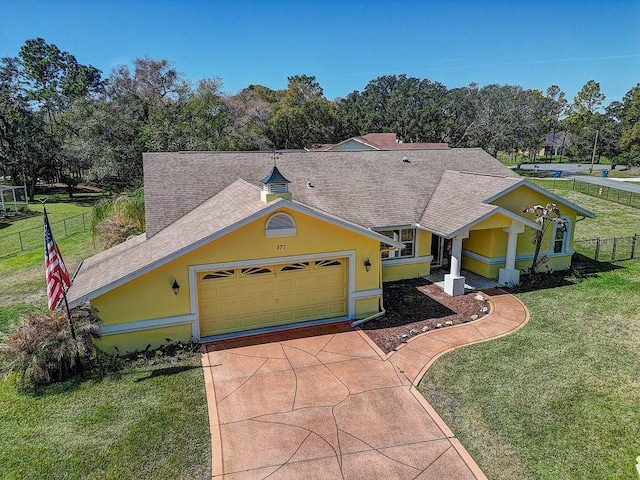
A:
<point x="118" y="219"/>
<point x="40" y="348"/>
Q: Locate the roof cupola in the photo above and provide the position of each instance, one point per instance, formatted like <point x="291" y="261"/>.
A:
<point x="275" y="185"/>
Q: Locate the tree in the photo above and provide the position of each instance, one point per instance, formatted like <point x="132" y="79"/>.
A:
<point x="508" y="118"/>
<point x="556" y="106"/>
<point x="249" y="110"/>
<point x="544" y="216"/>
<point x="137" y="111"/>
<point x="461" y="111"/>
<point x="302" y="115"/>
<point x="203" y="119"/>
<point x="412" y="108"/>
<point x="24" y="142"/>
<point x="589" y="99"/>
<point x="630" y="117"/>
<point x="38" y="86"/>
<point x="584" y="120"/>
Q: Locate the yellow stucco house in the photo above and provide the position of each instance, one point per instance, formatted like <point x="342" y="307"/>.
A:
<point x="236" y="244"/>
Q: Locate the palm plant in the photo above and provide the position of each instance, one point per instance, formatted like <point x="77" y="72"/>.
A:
<point x="40" y="348"/>
<point x="117" y="219"/>
<point x="544" y="216"/>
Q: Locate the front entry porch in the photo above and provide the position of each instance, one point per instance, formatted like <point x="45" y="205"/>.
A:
<point x="472" y="280"/>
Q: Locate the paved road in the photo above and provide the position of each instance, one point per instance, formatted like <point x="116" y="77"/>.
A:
<point x="567" y="168"/>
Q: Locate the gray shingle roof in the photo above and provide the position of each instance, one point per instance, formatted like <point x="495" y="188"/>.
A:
<point x="371" y="189"/>
<point x="458" y="200"/>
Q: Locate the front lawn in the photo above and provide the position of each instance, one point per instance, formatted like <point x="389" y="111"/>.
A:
<point x="148" y="421"/>
<point x="558" y="399"/>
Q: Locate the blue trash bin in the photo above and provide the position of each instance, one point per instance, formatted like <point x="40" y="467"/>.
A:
<point x="557" y="173"/>
<point x="605" y="173"/>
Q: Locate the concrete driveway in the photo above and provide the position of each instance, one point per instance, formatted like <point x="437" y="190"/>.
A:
<point x="326" y="403"/>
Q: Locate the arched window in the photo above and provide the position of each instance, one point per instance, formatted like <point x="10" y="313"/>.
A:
<point x="560" y="236"/>
<point x="280" y="225"/>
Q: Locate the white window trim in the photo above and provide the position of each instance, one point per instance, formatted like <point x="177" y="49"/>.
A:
<point x="398" y="253"/>
<point x="279" y="232"/>
<point x="565" y="238"/>
<point x="386" y="262"/>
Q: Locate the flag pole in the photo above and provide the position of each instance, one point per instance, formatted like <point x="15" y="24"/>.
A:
<point x="73" y="332"/>
<point x="64" y="293"/>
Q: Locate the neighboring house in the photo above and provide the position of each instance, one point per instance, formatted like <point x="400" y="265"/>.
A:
<point x="248" y="245"/>
<point x="373" y="141"/>
<point x="554" y="144"/>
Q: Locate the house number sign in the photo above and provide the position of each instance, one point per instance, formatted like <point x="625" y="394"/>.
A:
<point x="281" y="246"/>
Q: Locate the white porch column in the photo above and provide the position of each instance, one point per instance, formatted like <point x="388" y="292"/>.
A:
<point x="453" y="282"/>
<point x="510" y="275"/>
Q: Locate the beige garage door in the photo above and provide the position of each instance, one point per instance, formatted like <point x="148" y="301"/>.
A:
<point x="255" y="297"/>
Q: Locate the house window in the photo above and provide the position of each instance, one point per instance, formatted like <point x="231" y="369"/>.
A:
<point x="295" y="266"/>
<point x="280" y="225"/>
<point x="405" y="235"/>
<point x="219" y="274"/>
<point x="255" y="271"/>
<point x="560" y="237"/>
<point x="328" y="263"/>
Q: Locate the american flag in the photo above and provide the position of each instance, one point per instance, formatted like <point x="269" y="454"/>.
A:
<point x="57" y="274"/>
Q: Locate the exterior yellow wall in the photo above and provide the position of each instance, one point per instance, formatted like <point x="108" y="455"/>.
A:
<point x="523" y="197"/>
<point x="392" y="272"/>
<point x="367" y="306"/>
<point x="130" y="342"/>
<point x="497" y="220"/>
<point x="489" y="243"/>
<point x="424" y="243"/>
<point x="150" y="296"/>
<point x="481" y="268"/>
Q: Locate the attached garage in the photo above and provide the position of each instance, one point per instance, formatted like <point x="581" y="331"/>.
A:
<point x="250" y="297"/>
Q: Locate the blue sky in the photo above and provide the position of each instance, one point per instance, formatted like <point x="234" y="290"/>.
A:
<point x="345" y="44"/>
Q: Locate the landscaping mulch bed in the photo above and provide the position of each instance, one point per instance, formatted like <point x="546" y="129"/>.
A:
<point x="416" y="306"/>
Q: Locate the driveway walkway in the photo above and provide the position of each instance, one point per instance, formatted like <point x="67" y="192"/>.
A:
<point x="326" y="403"/>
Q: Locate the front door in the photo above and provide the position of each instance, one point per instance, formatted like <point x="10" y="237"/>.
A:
<point x="438" y="250"/>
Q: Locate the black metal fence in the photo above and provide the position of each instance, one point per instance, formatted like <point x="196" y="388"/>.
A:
<point x="623" y="197"/>
<point x="33" y="238"/>
<point x="609" y="249"/>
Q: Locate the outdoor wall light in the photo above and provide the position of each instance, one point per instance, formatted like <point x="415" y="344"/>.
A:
<point x="175" y="287"/>
<point x="367" y="264"/>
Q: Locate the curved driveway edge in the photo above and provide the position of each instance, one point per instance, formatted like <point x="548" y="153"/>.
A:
<point x="326" y="403"/>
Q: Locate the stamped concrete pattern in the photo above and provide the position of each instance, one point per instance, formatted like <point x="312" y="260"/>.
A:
<point x="326" y="403"/>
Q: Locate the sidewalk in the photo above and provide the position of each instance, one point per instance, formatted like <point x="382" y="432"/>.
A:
<point x="327" y="403"/>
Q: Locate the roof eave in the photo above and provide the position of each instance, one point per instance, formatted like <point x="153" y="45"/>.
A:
<point x="542" y="191"/>
<point x="483" y="217"/>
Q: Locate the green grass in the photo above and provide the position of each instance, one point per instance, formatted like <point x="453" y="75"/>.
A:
<point x="9" y="314"/>
<point x="149" y="421"/>
<point x="22" y="275"/>
<point x="22" y="279"/>
<point x="26" y="233"/>
<point x="558" y="399"/>
<point x="56" y="211"/>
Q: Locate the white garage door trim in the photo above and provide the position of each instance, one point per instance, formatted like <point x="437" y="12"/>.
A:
<point x="260" y="262"/>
